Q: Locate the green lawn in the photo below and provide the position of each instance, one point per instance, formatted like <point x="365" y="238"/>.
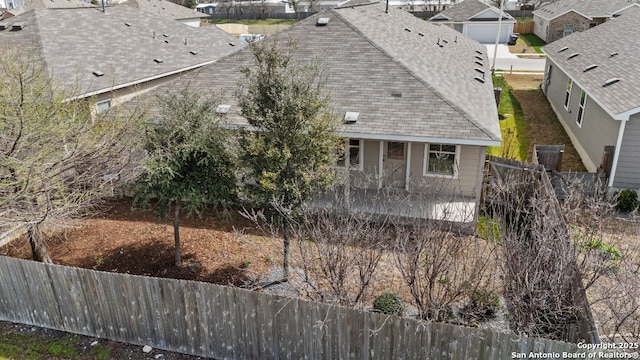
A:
<point x="534" y="41"/>
<point x="255" y="22"/>
<point x="513" y="126"/>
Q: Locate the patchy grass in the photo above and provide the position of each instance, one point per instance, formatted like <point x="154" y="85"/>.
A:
<point x="533" y="41"/>
<point x="31" y="346"/>
<point x="513" y="126"/>
<point x="488" y="229"/>
<point x="255" y="22"/>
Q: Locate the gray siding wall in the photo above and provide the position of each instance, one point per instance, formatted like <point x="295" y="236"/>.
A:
<point x="469" y="171"/>
<point x="598" y="128"/>
<point x="628" y="170"/>
<point x="540" y="27"/>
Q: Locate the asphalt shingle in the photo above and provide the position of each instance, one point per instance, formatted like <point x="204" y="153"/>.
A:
<point x="406" y="77"/>
<point x="615" y="48"/>
<point x="121" y="43"/>
<point x="588" y="8"/>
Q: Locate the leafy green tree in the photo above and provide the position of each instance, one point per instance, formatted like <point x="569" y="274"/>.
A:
<point x="58" y="158"/>
<point x="289" y="151"/>
<point x="188" y="165"/>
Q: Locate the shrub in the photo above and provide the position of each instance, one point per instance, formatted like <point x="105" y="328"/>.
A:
<point x="627" y="200"/>
<point x="483" y="304"/>
<point x="389" y="303"/>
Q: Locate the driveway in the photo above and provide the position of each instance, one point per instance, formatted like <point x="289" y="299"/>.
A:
<point x="506" y="61"/>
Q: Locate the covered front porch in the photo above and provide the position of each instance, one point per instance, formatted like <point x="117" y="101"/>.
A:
<point x="399" y="203"/>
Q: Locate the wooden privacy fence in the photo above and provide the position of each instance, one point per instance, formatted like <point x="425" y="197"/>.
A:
<point x="230" y="323"/>
<point x="532" y="175"/>
<point x="523" y="27"/>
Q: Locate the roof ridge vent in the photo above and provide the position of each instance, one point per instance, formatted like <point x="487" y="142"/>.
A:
<point x="479" y="79"/>
<point x="323" y="21"/>
<point x="590" y="67"/>
<point x="479" y="63"/>
<point x="610" y="82"/>
<point x="563" y="49"/>
<point x="421" y="34"/>
<point x="158" y="61"/>
<point x="613" y="54"/>
<point x="479" y="70"/>
<point x="407" y="29"/>
<point x="572" y="56"/>
<point x="98" y="73"/>
<point x="19" y="25"/>
<point x="478" y="58"/>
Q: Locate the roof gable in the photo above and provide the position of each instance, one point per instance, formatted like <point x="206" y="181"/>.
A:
<point x="470" y="10"/>
<point x="614" y="47"/>
<point x="394" y="69"/>
<point x="586" y="8"/>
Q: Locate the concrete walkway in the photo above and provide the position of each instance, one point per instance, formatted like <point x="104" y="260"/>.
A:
<point x="508" y="62"/>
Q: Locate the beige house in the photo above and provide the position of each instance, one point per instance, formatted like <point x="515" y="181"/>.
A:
<point x="564" y="17"/>
<point x="414" y="121"/>
<point x="592" y="80"/>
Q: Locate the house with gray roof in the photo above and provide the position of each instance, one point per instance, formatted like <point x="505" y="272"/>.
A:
<point x="477" y="20"/>
<point x="411" y="117"/>
<point x="127" y="51"/>
<point x="562" y="18"/>
<point x="592" y="80"/>
<point x="170" y="10"/>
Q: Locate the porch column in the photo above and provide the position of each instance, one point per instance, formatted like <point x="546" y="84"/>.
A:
<point x="380" y="164"/>
<point x="408" y="168"/>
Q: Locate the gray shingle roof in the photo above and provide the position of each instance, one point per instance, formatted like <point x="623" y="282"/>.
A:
<point x="595" y="47"/>
<point x="589" y="8"/>
<point x="368" y="56"/>
<point x="76" y="42"/>
<point x="467" y="9"/>
<point x="166" y="9"/>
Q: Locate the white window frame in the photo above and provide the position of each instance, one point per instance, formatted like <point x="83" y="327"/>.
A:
<point x="98" y="107"/>
<point x="581" y="108"/>
<point x="567" y="97"/>
<point x="566" y="31"/>
<point x="347" y="155"/>
<point x="425" y="162"/>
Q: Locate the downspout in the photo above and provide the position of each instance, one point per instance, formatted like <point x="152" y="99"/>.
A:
<point x="616" y="153"/>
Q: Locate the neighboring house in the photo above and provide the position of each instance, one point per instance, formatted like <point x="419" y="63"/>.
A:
<point x="126" y="52"/>
<point x="10" y="4"/>
<point x="477" y="20"/>
<point x="170" y="10"/>
<point x="6" y="14"/>
<point x="592" y="81"/>
<point x="413" y="118"/>
<point x="564" y="17"/>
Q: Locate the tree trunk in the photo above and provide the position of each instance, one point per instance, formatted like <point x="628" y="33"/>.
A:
<point x="38" y="245"/>
<point x="285" y="259"/>
<point x="176" y="233"/>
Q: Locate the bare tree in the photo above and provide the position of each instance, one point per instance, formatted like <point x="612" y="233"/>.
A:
<point x="58" y="157"/>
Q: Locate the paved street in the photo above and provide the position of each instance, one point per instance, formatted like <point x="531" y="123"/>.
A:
<point x="506" y="61"/>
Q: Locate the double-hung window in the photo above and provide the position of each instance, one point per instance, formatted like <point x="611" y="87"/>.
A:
<point x="441" y="160"/>
<point x="567" y="96"/>
<point x="583" y="100"/>
<point x="568" y="30"/>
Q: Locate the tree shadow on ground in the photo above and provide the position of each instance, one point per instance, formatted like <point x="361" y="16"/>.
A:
<point x="157" y="260"/>
<point x="148" y="259"/>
